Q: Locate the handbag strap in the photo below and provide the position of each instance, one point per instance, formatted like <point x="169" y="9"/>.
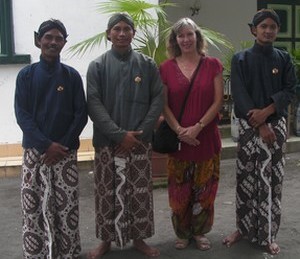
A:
<point x="189" y="90"/>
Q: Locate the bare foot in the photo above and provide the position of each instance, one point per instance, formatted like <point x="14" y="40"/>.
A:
<point x="273" y="248"/>
<point x="232" y="238"/>
<point x="141" y="246"/>
<point x="100" y="250"/>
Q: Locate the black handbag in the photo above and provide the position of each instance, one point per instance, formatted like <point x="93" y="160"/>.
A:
<point x="165" y="140"/>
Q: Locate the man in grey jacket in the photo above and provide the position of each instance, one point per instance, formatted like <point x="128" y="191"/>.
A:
<point x="125" y="99"/>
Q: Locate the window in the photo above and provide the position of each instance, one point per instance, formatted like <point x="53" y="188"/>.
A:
<point x="289" y="12"/>
<point x="7" y="51"/>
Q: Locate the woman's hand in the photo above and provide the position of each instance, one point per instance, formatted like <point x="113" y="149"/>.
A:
<point x="189" y="134"/>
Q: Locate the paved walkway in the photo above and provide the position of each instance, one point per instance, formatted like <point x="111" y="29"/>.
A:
<point x="288" y="238"/>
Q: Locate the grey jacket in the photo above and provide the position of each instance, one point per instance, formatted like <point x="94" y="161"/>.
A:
<point x="124" y="93"/>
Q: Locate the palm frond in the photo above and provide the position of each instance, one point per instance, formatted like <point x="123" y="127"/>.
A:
<point x="153" y="43"/>
<point x="152" y="24"/>
<point x="129" y="6"/>
<point x="227" y="57"/>
<point x="227" y="62"/>
<point x="146" y="45"/>
<point x="216" y="38"/>
<point x="140" y="11"/>
<point x="89" y="44"/>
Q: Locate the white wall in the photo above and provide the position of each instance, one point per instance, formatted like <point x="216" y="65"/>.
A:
<point x="82" y="21"/>
<point x="230" y="17"/>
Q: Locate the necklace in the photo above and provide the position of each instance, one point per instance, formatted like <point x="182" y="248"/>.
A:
<point x="187" y="66"/>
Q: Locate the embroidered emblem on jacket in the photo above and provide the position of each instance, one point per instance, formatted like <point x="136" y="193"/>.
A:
<point x="137" y="80"/>
<point x="60" y="88"/>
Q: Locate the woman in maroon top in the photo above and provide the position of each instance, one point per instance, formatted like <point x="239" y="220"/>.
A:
<point x="193" y="171"/>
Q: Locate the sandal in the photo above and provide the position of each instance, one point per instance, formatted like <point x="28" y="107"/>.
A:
<point x="181" y="243"/>
<point x="202" y="242"/>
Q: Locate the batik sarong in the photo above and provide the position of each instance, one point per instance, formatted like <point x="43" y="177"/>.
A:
<point x="259" y="182"/>
<point x="49" y="196"/>
<point x="123" y="195"/>
<point x="192" y="191"/>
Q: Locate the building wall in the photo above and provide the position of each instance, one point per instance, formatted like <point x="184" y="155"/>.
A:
<point x="229" y="17"/>
<point x="82" y="21"/>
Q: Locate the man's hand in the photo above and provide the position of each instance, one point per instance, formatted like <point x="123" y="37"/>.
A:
<point x="55" y="153"/>
<point x="256" y="117"/>
<point x="267" y="134"/>
<point x="259" y="116"/>
<point x="129" y="141"/>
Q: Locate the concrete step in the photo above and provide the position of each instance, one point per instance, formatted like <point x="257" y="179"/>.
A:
<point x="11" y="166"/>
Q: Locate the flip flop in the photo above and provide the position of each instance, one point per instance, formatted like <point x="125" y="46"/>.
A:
<point x="181" y="243"/>
<point x="202" y="243"/>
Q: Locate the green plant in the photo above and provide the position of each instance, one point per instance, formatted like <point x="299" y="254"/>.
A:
<point x="152" y="29"/>
<point x="296" y="59"/>
<point x="227" y="57"/>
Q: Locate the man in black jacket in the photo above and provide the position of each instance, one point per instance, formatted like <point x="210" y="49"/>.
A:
<point x="263" y="85"/>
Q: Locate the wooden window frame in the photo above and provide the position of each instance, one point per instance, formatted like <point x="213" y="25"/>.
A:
<point x="7" y="49"/>
<point x="291" y="39"/>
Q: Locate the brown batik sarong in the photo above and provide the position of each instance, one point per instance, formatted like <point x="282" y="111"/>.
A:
<point x="259" y="183"/>
<point x="123" y="195"/>
<point x="49" y="196"/>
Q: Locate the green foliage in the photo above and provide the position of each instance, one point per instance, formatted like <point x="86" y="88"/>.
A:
<point x="152" y="28"/>
<point x="150" y="21"/>
<point x="229" y="54"/>
<point x="139" y="10"/>
<point x="296" y="59"/>
<point x="153" y="44"/>
<point x="82" y="47"/>
<point x="215" y="38"/>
